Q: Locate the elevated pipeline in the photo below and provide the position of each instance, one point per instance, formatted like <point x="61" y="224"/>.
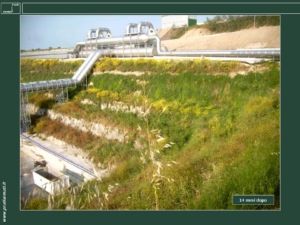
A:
<point x="124" y="51"/>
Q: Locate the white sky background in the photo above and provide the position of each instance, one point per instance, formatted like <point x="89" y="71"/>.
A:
<point x="44" y="31"/>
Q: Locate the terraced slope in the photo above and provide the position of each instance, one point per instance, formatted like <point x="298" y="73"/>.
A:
<point x="178" y="136"/>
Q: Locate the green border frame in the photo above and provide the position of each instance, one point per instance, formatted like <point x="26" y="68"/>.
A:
<point x="290" y="111"/>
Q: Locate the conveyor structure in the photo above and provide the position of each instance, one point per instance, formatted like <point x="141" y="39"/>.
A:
<point x="140" y="40"/>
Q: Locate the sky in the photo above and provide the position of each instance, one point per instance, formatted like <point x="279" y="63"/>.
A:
<point x="44" y="31"/>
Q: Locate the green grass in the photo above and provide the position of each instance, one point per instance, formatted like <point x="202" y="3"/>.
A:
<point x="225" y="133"/>
<point x="50" y="69"/>
<point x="196" y="66"/>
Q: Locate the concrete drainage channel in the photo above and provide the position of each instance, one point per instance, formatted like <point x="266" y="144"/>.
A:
<point x="61" y="172"/>
<point x="60" y="156"/>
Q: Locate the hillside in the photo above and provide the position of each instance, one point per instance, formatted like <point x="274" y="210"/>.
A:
<point x="179" y="135"/>
<point x="201" y="38"/>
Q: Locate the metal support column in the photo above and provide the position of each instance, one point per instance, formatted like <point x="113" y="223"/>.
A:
<point x="62" y="95"/>
<point x="24" y="114"/>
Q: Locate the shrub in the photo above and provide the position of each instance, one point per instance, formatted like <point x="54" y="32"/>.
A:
<point x="196" y="66"/>
<point x="220" y="24"/>
<point x="47" y="69"/>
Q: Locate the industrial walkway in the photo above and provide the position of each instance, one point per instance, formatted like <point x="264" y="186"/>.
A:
<point x="130" y="46"/>
<point x="77" y="78"/>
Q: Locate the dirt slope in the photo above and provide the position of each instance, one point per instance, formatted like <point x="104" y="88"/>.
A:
<point x="196" y="32"/>
<point x="262" y="37"/>
<point x="162" y="32"/>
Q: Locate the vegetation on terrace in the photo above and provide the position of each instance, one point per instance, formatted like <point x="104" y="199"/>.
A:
<point x="47" y="69"/>
<point x="205" y="138"/>
<point x="196" y="66"/>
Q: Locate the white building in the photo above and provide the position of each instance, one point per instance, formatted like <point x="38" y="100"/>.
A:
<point x="175" y="21"/>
